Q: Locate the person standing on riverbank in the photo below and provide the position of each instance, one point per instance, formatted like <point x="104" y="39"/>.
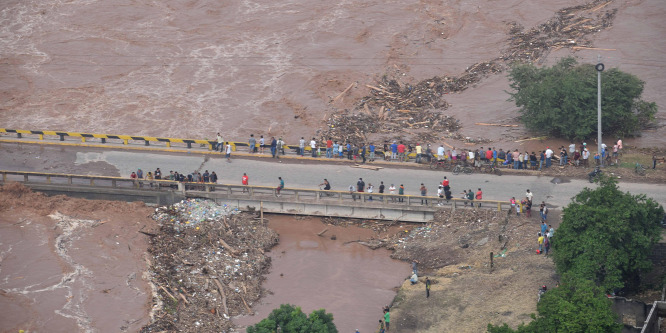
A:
<point x="387" y="317"/>
<point x="427" y="283"/>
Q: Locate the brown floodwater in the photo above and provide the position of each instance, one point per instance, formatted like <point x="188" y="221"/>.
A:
<point x="193" y="68"/>
<point x="82" y="272"/>
<point x="350" y="280"/>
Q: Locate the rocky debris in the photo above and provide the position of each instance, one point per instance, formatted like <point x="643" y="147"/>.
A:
<point x="208" y="264"/>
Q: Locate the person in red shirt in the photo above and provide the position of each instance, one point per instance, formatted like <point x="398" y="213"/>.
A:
<point x="479" y="194"/>
<point x="245" y="180"/>
<point x="489" y="154"/>
<point x="445" y="184"/>
<point x="329" y="148"/>
<point x="401" y="152"/>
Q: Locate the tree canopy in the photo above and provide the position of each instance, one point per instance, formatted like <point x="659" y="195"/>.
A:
<point x="606" y="235"/>
<point x="601" y="245"/>
<point x="577" y="305"/>
<point x="291" y="319"/>
<point x="562" y="100"/>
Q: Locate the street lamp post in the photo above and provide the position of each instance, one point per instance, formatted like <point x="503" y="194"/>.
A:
<point x="600" y="68"/>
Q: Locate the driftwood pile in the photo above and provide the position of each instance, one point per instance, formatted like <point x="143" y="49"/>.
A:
<point x="569" y="28"/>
<point x="206" y="272"/>
<point x="397" y="109"/>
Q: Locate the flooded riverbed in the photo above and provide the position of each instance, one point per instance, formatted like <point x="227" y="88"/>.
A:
<point x="347" y="279"/>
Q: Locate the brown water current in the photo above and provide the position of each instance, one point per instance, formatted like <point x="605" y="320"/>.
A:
<point x="349" y="280"/>
<point x="193" y="68"/>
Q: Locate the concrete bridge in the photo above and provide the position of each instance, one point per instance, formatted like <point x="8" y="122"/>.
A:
<point x="294" y="201"/>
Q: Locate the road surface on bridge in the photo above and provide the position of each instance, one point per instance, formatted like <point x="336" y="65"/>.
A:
<point x="297" y="174"/>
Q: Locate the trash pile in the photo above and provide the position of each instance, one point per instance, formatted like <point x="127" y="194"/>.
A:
<point x="400" y="108"/>
<point x="191" y="212"/>
<point x="207" y="265"/>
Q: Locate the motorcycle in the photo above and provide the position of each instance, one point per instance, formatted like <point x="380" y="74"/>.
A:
<point x="594" y="174"/>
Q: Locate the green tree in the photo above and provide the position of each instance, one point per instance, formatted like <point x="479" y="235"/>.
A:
<point x="577" y="305"/>
<point x="562" y="100"/>
<point x="606" y="235"/>
<point x="291" y="319"/>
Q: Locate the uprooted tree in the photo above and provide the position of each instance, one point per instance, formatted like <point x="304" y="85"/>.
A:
<point x="291" y="319"/>
<point x="561" y="100"/>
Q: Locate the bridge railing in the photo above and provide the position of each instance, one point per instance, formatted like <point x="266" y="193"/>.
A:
<point x="250" y="192"/>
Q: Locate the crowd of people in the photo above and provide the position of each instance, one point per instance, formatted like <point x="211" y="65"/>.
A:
<point x="575" y="155"/>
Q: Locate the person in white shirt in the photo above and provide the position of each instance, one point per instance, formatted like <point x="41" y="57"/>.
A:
<point x="440" y="153"/>
<point x="301" y="146"/>
<point x="392" y="192"/>
<point x="220" y="142"/>
<point x="549" y="156"/>
<point x="313" y="145"/>
<point x="586" y="156"/>
<point x="529" y="195"/>
<point x="572" y="149"/>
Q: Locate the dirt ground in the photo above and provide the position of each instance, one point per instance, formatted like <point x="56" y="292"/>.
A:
<point x="66" y="263"/>
<point x="466" y="293"/>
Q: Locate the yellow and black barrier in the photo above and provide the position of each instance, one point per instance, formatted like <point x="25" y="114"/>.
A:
<point x="168" y="141"/>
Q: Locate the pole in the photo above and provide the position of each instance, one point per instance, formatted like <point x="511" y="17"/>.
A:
<point x="599" y="68"/>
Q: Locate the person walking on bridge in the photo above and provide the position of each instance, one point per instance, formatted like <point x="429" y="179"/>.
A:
<point x="424" y="192"/>
<point x="245" y="180"/>
<point x="280" y="187"/>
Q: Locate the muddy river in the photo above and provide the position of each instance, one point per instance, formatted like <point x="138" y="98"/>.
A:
<point x="194" y="68"/>
<point x="348" y="280"/>
<point x="75" y="265"/>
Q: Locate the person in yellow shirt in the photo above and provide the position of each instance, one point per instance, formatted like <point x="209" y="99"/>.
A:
<point x="540" y="240"/>
<point x="419" y="151"/>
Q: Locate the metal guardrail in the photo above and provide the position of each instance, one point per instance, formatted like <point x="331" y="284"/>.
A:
<point x="240" y="191"/>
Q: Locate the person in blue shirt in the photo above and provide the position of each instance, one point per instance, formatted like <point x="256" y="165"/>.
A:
<point x="371" y="149"/>
<point x="394" y="150"/>
<point x="494" y="156"/>
<point x="544" y="227"/>
<point x="349" y="151"/>
<point x="336" y="149"/>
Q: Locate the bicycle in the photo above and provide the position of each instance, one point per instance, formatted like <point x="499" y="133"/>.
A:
<point x="464" y="169"/>
<point x="640" y="169"/>
<point x="436" y="164"/>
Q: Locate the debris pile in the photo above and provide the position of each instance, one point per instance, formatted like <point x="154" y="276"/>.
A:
<point x="400" y="108"/>
<point x="569" y="28"/>
<point x="207" y="265"/>
<point x="444" y="241"/>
